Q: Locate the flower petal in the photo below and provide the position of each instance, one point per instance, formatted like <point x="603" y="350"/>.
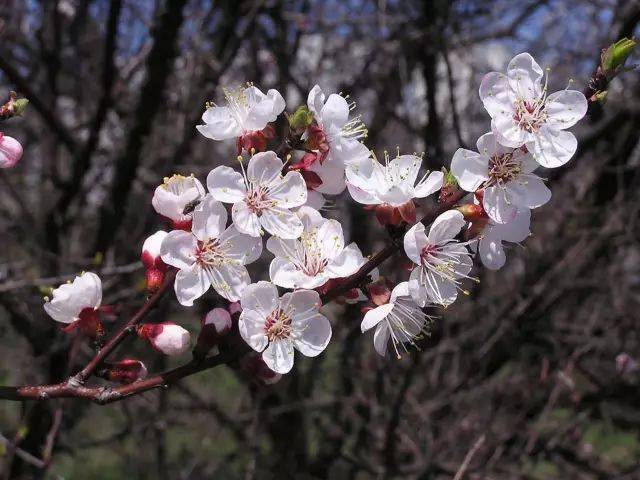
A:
<point x="245" y="220"/>
<point x="229" y="280"/>
<point x="498" y="205"/>
<point x="251" y="327"/>
<point x="226" y="185"/>
<point x="330" y="239"/>
<point x="282" y="223"/>
<point x="279" y="356"/>
<point x="429" y="185"/>
<point x="335" y="111"/>
<point x="496" y="94"/>
<point x="219" y="124"/>
<point x="209" y="219"/>
<point x="347" y="263"/>
<point x="470" y="168"/>
<point x="375" y="316"/>
<point x="553" y="148"/>
<point x="291" y="192"/>
<point x="525" y="76"/>
<point x="531" y="193"/>
<point x="491" y="251"/>
<point x="445" y="227"/>
<point x="565" y="108"/>
<point x="190" y="284"/>
<point x="315" y="335"/>
<point x="241" y="248"/>
<point x="381" y="339"/>
<point x="264" y="168"/>
<point x="260" y="296"/>
<point x="414" y="241"/>
<point x="178" y="249"/>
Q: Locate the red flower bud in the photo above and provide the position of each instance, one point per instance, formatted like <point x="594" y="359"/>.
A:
<point x="215" y="324"/>
<point x="88" y="323"/>
<point x="317" y="140"/>
<point x="154" y="278"/>
<point x="125" y="371"/>
<point x="379" y="292"/>
<point x="312" y="179"/>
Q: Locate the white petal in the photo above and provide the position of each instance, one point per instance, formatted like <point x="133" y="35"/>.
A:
<point x="226" y="185"/>
<point x="508" y="132"/>
<point x="429" y="185"/>
<point x="178" y="249"/>
<point x="516" y="230"/>
<point x="471" y="169"/>
<point x="209" y="219"/>
<point x="240" y="247"/>
<point x="405" y="169"/>
<point x="315" y="334"/>
<point x="260" y="296"/>
<point x="496" y="95"/>
<point x="219" y="124"/>
<point x="89" y="289"/>
<point x="414" y="241"/>
<point x="331" y="172"/>
<point x="190" y="285"/>
<point x="396" y="196"/>
<point x="251" y="327"/>
<point x="315" y="100"/>
<point x="525" y="76"/>
<point x="281" y="247"/>
<point x="285" y="274"/>
<point x="315" y="200"/>
<point x="381" y="338"/>
<point x="347" y="263"/>
<point x="375" y="316"/>
<point x="565" y="108"/>
<point x="302" y="303"/>
<point x="400" y="290"/>
<point x="153" y="243"/>
<point x="282" y="223"/>
<point x="175" y="193"/>
<point x="498" y="205"/>
<point x="279" y="356"/>
<point x="229" y="280"/>
<point x="245" y="220"/>
<point x="330" y="239"/>
<point x="491" y="251"/>
<point x="362" y="196"/>
<point x="437" y="288"/>
<point x="262" y="108"/>
<point x="446" y="226"/>
<point x="553" y="148"/>
<point x="529" y="193"/>
<point x="264" y="168"/>
<point x="489" y="146"/>
<point x="335" y="111"/>
<point x="291" y="192"/>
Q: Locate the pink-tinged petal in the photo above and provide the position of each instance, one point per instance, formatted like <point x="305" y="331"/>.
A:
<point x="190" y="284"/>
<point x="279" y="356"/>
<point x="553" y="148"/>
<point x="471" y="169"/>
<point x="10" y="151"/>
<point x="335" y="111"/>
<point x="565" y="108"/>
<point x="498" y="205"/>
<point x="292" y="191"/>
<point x="446" y="226"/>
<point x="219" y="124"/>
<point x="282" y="248"/>
<point x="375" y="316"/>
<point x="496" y="94"/>
<point x="251" y="325"/>
<point x="264" y="168"/>
<point x="301" y="304"/>
<point x="396" y="196"/>
<point x="241" y="248"/>
<point x="381" y="339"/>
<point x="361" y="196"/>
<point x="89" y="289"/>
<point x="525" y="77"/>
<point x="414" y="241"/>
<point x="226" y="185"/>
<point x="285" y="274"/>
<point x="245" y="220"/>
<point x="281" y="223"/>
<point x="260" y="296"/>
<point x="516" y="230"/>
<point x="331" y="172"/>
<point x="178" y="249"/>
<point x="315" y="334"/>
<point x="347" y="263"/>
<point x="209" y="219"/>
<point x="429" y="185"/>
<point x="528" y="193"/>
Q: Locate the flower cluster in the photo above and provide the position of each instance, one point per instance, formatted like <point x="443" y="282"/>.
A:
<point x="218" y="230"/>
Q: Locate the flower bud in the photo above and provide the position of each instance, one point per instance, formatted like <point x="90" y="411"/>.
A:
<point x="312" y="179"/>
<point x="215" y="324"/>
<point x="155" y="267"/>
<point x="13" y="107"/>
<point x="253" y="365"/>
<point x="125" y="371"/>
<point x="625" y="364"/>
<point x="379" y="292"/>
<point x="615" y="56"/>
<point x="449" y="187"/>
<point x="166" y="337"/>
<point x="10" y="151"/>
<point x="317" y="140"/>
<point x="234" y="308"/>
<point x="472" y="212"/>
<point x="301" y="119"/>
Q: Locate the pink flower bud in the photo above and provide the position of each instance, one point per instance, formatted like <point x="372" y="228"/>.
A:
<point x="10" y="151"/>
<point x="151" y="251"/>
<point x="625" y="364"/>
<point x="166" y="337"/>
<point x="379" y="292"/>
<point x="234" y="308"/>
<point x="215" y="324"/>
<point x="154" y="278"/>
<point x="253" y="365"/>
<point x="128" y="370"/>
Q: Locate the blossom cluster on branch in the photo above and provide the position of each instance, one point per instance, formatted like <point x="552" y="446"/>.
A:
<point x="219" y="227"/>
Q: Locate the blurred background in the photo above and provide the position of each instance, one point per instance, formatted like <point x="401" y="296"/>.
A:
<point x="519" y="378"/>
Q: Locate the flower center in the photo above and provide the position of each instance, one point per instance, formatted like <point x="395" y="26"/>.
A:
<point x="277" y="325"/>
<point x="503" y="168"/>
<point x="530" y="116"/>
<point x="257" y="200"/>
<point x="210" y="253"/>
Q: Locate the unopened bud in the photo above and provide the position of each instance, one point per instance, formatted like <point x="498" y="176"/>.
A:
<point x="379" y="292"/>
<point x="253" y="365"/>
<point x="20" y="105"/>
<point x="615" y="56"/>
<point x="301" y="119"/>
<point x="154" y="278"/>
<point x="151" y="250"/>
<point x="167" y="337"/>
<point x="13" y="107"/>
<point x="449" y="186"/>
<point x="625" y="364"/>
<point x="235" y="308"/>
<point x="472" y="212"/>
<point x="215" y="324"/>
<point x="125" y="371"/>
<point x="10" y="151"/>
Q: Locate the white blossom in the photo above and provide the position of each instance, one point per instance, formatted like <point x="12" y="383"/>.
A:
<point x="523" y="114"/>
<point x="210" y="255"/>
<point x="247" y="110"/>
<point x="262" y="197"/>
<point x="316" y="257"/>
<point x="393" y="183"/>
<point x="441" y="260"/>
<point x="175" y="197"/>
<point x="506" y="174"/>
<point x="73" y="300"/>
<point x="400" y="320"/>
<point x="276" y="325"/>
<point x="490" y="245"/>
